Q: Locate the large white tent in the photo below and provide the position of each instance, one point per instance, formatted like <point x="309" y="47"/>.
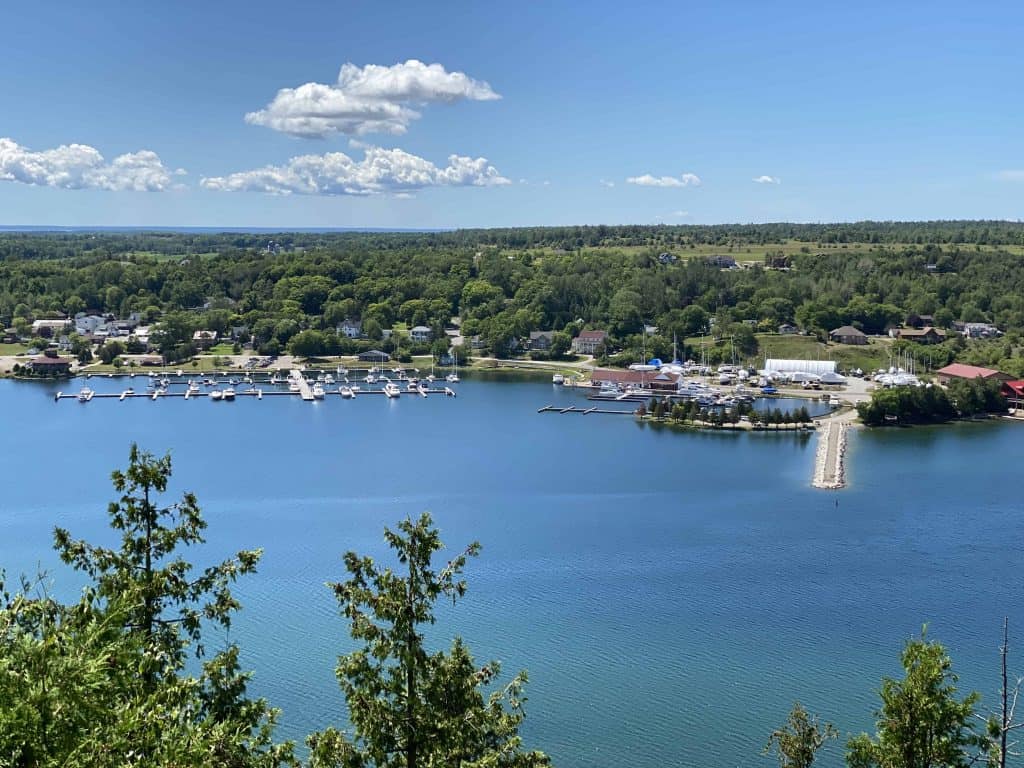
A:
<point x="815" y="367"/>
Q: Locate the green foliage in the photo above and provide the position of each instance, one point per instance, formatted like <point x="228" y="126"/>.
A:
<point x="102" y="682"/>
<point x="932" y="404"/>
<point x="907" y="405"/>
<point x="410" y="707"/>
<point x="797" y="742"/>
<point x="921" y="724"/>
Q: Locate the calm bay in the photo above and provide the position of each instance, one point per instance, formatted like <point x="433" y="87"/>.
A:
<point x="670" y="593"/>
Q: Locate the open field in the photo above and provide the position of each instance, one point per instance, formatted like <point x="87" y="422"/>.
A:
<point x="871" y="356"/>
<point x="749" y="252"/>
<point x="13" y="349"/>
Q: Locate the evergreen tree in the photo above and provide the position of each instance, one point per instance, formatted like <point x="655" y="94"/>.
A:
<point x="411" y="708"/>
<point x="921" y="724"/>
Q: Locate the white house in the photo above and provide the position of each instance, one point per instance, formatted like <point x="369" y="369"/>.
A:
<point x="421" y="333"/>
<point x="352" y="329"/>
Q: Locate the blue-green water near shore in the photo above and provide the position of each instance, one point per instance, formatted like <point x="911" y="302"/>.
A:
<point x="670" y="593"/>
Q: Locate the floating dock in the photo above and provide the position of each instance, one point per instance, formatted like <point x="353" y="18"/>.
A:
<point x="582" y="411"/>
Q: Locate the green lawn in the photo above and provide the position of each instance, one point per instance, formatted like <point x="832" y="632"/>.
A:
<point x="868" y="357"/>
<point x="12" y="349"/>
<point x="224" y="348"/>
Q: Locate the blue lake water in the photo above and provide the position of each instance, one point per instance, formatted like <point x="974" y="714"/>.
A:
<point x="670" y="593"/>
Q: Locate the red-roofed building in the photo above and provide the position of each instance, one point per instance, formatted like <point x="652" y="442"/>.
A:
<point x="655" y="380"/>
<point x="961" y="371"/>
<point x="588" y="342"/>
<point x="1013" y="391"/>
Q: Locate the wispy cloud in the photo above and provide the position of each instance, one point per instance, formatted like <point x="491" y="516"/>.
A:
<point x="767" y="180"/>
<point x="679" y="214"/>
<point x="606" y="183"/>
<point x="381" y="171"/>
<point x="1010" y="175"/>
<point x="79" y="166"/>
<point x="370" y="99"/>
<point x="647" y="180"/>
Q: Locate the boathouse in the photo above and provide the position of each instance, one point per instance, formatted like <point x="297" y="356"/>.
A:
<point x="374" y="356"/>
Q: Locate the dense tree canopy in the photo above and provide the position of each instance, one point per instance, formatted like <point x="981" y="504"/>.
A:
<point x="506" y="283"/>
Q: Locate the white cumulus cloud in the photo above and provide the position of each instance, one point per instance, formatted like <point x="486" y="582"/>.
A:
<point x="647" y="180"/>
<point x="79" y="166"/>
<point x="370" y="99"/>
<point x="767" y="180"/>
<point x="381" y="171"/>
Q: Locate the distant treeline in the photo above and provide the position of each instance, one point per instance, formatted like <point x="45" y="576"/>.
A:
<point x="67" y="245"/>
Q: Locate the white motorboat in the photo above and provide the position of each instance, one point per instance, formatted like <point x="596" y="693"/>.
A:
<point x="293" y="385"/>
<point x="229" y="394"/>
<point x="558" y="379"/>
<point x="391" y="390"/>
<point x="318" y="391"/>
<point x="85" y="395"/>
<point x="193" y="387"/>
<point x="329" y="379"/>
<point x="216" y="395"/>
<point x="347" y="392"/>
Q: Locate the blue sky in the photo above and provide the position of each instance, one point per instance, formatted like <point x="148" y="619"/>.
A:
<point x="843" y="111"/>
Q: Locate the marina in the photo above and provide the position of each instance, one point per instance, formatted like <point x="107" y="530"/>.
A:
<point x="227" y="389"/>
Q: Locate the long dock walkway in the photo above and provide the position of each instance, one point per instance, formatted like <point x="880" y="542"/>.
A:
<point x="304" y="390"/>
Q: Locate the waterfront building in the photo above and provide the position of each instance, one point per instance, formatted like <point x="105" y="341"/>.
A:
<point x="50" y="366"/>
<point x="374" y="356"/>
<point x="1013" y="391"/>
<point x="961" y="371"/>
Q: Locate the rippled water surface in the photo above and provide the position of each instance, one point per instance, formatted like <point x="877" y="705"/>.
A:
<point x="669" y="593"/>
